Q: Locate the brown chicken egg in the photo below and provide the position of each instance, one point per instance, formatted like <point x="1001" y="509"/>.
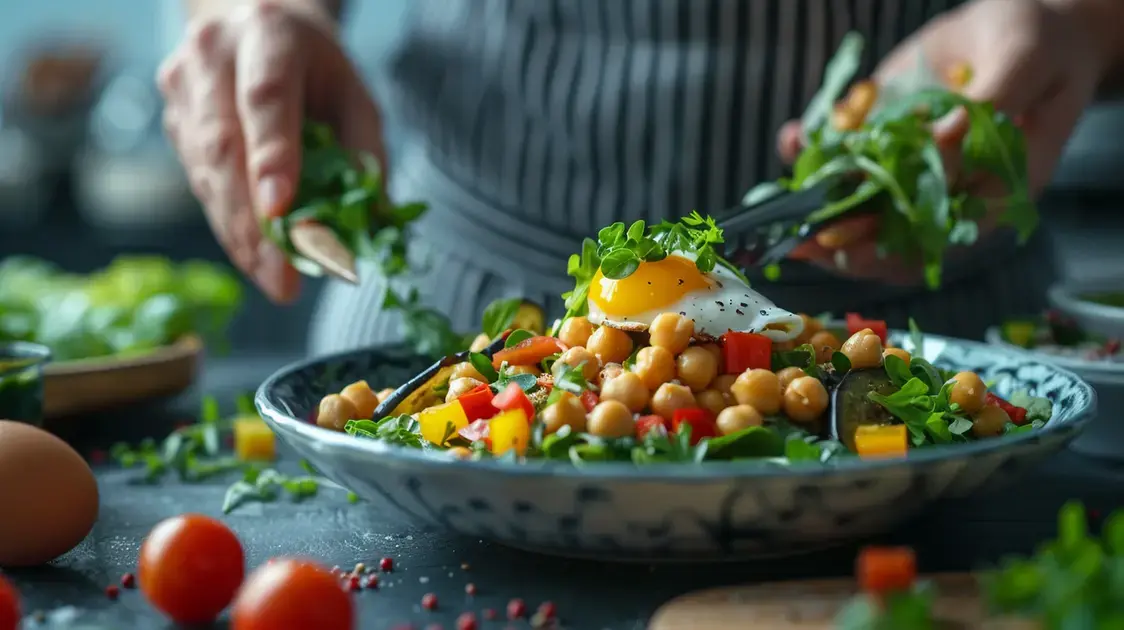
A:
<point x="48" y="496"/>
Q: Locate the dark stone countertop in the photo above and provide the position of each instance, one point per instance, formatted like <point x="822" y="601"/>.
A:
<point x="589" y="596"/>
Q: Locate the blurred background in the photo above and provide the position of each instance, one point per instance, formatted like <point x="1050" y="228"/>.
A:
<point x="85" y="173"/>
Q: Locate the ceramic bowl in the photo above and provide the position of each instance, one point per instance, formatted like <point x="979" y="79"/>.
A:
<point x="1104" y="436"/>
<point x="714" y="511"/>
<point x="1072" y="298"/>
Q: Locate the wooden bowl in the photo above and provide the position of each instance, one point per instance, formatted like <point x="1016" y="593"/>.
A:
<point x="86" y="385"/>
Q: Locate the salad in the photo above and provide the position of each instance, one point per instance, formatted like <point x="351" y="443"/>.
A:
<point x="1058" y="334"/>
<point x="134" y="305"/>
<point x="665" y="354"/>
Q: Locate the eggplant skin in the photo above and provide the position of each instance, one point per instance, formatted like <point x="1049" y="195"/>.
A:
<point x="851" y="408"/>
<point x="424" y="390"/>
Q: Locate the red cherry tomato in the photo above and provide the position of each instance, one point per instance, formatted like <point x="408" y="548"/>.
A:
<point x="9" y="606"/>
<point x="292" y="594"/>
<point x="190" y="567"/>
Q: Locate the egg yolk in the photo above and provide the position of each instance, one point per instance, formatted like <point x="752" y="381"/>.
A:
<point x="652" y="286"/>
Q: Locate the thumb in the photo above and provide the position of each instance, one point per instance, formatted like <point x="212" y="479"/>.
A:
<point x="270" y="85"/>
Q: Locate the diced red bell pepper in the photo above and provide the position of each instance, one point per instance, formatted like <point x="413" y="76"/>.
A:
<point x="883" y="570"/>
<point x="746" y="351"/>
<point x="856" y="322"/>
<point x="701" y="422"/>
<point x="477" y="403"/>
<point x="1017" y="414"/>
<point x="645" y="425"/>
<point x="529" y="351"/>
<point x="476" y="431"/>
<point x="589" y="400"/>
<point x="511" y="398"/>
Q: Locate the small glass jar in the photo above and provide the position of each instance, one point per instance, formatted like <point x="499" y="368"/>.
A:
<point x="21" y="381"/>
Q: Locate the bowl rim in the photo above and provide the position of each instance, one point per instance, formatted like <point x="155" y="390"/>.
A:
<point x="284" y="422"/>
<point x="994" y="337"/>
<point x="1065" y="296"/>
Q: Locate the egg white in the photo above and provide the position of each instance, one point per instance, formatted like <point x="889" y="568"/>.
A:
<point x="728" y="304"/>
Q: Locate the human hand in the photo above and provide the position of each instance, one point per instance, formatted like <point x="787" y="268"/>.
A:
<point x="237" y="91"/>
<point x="1032" y="61"/>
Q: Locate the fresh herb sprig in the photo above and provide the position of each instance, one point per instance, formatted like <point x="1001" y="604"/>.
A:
<point x="892" y="164"/>
<point x="619" y="250"/>
<point x="346" y="194"/>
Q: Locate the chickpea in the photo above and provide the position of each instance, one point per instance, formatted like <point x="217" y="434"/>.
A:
<point x="739" y="418"/>
<point x="719" y="358"/>
<point x="969" y="392"/>
<point x="460" y="386"/>
<point x="713" y="400"/>
<point x="863" y="349"/>
<point x="482" y="341"/>
<point x="611" y="419"/>
<point x="723" y="382"/>
<point x="990" y="422"/>
<point x="466" y="370"/>
<point x="460" y="452"/>
<point x="696" y="368"/>
<point x="812" y="326"/>
<point x="335" y="411"/>
<point x="578" y="356"/>
<point x="825" y="344"/>
<point x="610" y="371"/>
<point x="575" y="331"/>
<point x="861" y="98"/>
<point x="672" y="332"/>
<point x="670" y="397"/>
<point x="655" y="366"/>
<point x="362" y="398"/>
<point x="384" y="394"/>
<point x="627" y="389"/>
<point x="897" y="352"/>
<point x="512" y="370"/>
<point x="567" y="411"/>
<point x="759" y="388"/>
<point x="610" y="345"/>
<point x="805" y="400"/>
<point x="789" y="374"/>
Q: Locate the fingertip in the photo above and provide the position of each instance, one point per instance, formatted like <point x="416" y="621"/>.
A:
<point x="789" y="141"/>
<point x="273" y="196"/>
<point x="275" y="276"/>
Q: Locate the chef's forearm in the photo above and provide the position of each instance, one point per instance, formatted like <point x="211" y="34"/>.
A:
<point x="197" y="8"/>
<point x="1104" y="22"/>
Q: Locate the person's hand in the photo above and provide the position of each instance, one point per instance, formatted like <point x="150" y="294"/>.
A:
<point x="1033" y="62"/>
<point x="237" y="91"/>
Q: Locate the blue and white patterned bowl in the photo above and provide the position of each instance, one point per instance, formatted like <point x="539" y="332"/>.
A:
<point x="715" y="511"/>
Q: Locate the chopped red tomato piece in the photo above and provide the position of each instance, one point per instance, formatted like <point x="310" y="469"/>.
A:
<point x="511" y="398"/>
<point x="476" y="431"/>
<point x="1017" y="414"/>
<point x="746" y="351"/>
<point x="645" y="425"/>
<point x="856" y="322"/>
<point x="882" y="570"/>
<point x="529" y="351"/>
<point x="477" y="403"/>
<point x="589" y="400"/>
<point x="701" y="422"/>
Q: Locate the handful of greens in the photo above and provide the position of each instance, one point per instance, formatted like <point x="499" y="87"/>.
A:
<point x="134" y="305"/>
<point x="892" y="163"/>
<point x="346" y="195"/>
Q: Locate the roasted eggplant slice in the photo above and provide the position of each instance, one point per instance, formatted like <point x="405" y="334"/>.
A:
<point x="851" y="408"/>
<point x="426" y="389"/>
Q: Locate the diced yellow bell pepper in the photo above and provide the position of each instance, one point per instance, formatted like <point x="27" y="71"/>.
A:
<point x="874" y="441"/>
<point x="510" y="430"/>
<point x="253" y="440"/>
<point x="1020" y="333"/>
<point x="435" y="421"/>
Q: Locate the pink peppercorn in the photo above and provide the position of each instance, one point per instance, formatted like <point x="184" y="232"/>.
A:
<point x="429" y="601"/>
<point x="548" y="610"/>
<point x="470" y="588"/>
<point x="466" y="621"/>
<point x="386" y="564"/>
<point x="372" y="581"/>
<point x="489" y="614"/>
<point x="112" y="592"/>
<point x="516" y="609"/>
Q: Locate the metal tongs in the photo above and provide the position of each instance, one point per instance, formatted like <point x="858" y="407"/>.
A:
<point x="765" y="232"/>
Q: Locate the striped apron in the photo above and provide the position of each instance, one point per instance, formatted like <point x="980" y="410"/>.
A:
<point x="532" y="124"/>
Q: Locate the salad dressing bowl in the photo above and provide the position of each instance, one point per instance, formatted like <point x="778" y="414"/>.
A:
<point x="709" y="511"/>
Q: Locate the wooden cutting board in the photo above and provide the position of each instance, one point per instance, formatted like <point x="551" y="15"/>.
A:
<point x="808" y="605"/>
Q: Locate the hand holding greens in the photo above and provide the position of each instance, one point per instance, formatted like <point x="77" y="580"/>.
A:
<point x="883" y="156"/>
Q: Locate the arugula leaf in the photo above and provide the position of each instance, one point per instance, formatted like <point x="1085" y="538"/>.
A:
<point x="401" y="430"/>
<point x="483" y="365"/>
<point x="912" y="404"/>
<point x="1037" y="408"/>
<point x="498" y="316"/>
<point x="752" y="442"/>
<point x="567" y="378"/>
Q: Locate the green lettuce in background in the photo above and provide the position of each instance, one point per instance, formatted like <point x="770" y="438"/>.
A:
<point x="136" y="304"/>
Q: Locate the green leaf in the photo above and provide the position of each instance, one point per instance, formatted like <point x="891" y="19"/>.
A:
<point x="897" y="370"/>
<point x="498" y="316"/>
<point x="483" y="365"/>
<point x="619" y="263"/>
<point x="752" y="442"/>
<point x="840" y="70"/>
<point x="516" y="337"/>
